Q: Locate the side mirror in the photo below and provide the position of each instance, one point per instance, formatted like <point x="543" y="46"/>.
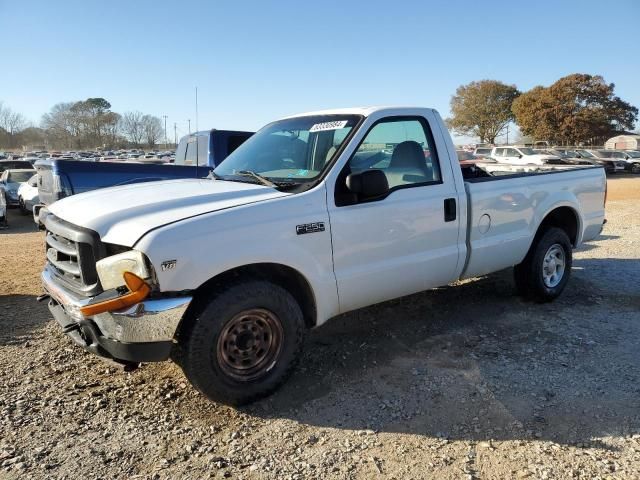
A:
<point x="368" y="184"/>
<point x="519" y="155"/>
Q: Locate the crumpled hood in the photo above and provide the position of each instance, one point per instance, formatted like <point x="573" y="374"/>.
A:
<point x="121" y="215"/>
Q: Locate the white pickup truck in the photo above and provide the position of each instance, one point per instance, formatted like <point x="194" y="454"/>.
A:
<point x="315" y="215"/>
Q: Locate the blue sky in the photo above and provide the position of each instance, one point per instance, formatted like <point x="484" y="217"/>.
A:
<point x="254" y="61"/>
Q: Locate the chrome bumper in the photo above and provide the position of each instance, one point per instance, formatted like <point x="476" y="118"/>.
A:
<point x="148" y="321"/>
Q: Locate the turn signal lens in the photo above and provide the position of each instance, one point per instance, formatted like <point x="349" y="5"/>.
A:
<point x="138" y="291"/>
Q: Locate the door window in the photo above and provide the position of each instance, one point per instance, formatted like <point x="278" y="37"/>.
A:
<point x="512" y="152"/>
<point x="192" y="147"/>
<point x="401" y="148"/>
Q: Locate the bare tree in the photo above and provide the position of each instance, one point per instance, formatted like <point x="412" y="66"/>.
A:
<point x="12" y="123"/>
<point x="61" y="126"/>
<point x="133" y="127"/>
<point x="152" y="129"/>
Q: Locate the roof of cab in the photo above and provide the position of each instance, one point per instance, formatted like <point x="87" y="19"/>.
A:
<point x="364" y="111"/>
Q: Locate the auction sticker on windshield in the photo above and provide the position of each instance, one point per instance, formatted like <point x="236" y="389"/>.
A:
<point x="321" y="127"/>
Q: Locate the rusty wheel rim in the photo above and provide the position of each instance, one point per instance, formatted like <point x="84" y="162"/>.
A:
<point x="250" y="344"/>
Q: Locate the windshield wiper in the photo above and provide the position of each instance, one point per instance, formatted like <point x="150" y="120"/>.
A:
<point x="263" y="180"/>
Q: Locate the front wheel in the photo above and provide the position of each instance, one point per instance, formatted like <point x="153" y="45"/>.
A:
<point x="23" y="207"/>
<point x="243" y="344"/>
<point x="635" y="168"/>
<point x="545" y="271"/>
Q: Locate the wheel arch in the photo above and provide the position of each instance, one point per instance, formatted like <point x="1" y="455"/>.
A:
<point x="283" y="275"/>
<point x="565" y="217"/>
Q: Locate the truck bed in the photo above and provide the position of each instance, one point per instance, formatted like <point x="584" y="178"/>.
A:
<point x="77" y="176"/>
<point x="505" y="209"/>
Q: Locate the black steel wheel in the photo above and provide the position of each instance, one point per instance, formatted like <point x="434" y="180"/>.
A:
<point x="243" y="343"/>
<point x="250" y="344"/>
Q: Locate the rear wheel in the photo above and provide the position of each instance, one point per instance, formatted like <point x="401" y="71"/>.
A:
<point x="545" y="271"/>
<point x="243" y="344"/>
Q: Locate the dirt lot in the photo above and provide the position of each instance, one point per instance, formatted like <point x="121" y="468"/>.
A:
<point x="460" y="382"/>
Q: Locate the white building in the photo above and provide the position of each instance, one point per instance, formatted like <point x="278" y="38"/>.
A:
<point x="623" y="142"/>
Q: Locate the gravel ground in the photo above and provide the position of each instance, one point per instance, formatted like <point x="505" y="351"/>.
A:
<point x="466" y="381"/>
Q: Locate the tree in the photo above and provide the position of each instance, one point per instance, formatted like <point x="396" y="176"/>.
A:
<point x="153" y="130"/>
<point x="133" y="127"/>
<point x="61" y="126"/>
<point x="12" y="123"/>
<point x="32" y="136"/>
<point x="482" y="109"/>
<point x="85" y="124"/>
<point x="578" y="108"/>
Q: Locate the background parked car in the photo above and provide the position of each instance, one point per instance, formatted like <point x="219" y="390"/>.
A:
<point x="11" y="180"/>
<point x="468" y="158"/>
<point x="7" y="164"/>
<point x="603" y="157"/>
<point x="630" y="158"/>
<point x="521" y="156"/>
<point x="28" y="195"/>
<point x="3" y="208"/>
<point x="565" y="157"/>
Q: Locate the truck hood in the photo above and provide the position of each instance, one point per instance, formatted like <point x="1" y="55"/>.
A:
<point x="121" y="215"/>
<point x="541" y="157"/>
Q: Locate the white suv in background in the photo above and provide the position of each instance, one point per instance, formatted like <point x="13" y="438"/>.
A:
<point x="520" y="156"/>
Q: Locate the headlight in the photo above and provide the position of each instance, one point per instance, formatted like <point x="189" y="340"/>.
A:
<point x="111" y="269"/>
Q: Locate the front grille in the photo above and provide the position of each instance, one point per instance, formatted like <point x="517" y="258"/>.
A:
<point x="72" y="253"/>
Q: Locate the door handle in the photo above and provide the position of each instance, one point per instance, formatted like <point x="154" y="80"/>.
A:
<point x="449" y="209"/>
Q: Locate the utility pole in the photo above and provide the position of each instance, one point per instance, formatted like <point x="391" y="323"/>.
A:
<point x="507" y="134"/>
<point x="175" y="134"/>
<point x="189" y="120"/>
<point x="165" y="130"/>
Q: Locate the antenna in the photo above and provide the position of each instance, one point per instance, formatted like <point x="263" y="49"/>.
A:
<point x="197" y="153"/>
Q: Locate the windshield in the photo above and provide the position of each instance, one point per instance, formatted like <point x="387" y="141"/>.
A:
<point x="19" y="177"/>
<point x="291" y="151"/>
<point x="634" y="154"/>
<point x="605" y="154"/>
<point x="586" y="154"/>
<point x="483" y="151"/>
<point x="527" y="151"/>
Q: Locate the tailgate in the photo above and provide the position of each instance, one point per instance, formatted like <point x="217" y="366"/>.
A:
<point x="48" y="191"/>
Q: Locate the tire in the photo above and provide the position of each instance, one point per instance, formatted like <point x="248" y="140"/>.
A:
<point x="635" y="168"/>
<point x="552" y="247"/>
<point x="212" y="344"/>
<point x="23" y="208"/>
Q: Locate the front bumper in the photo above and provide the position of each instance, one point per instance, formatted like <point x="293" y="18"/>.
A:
<point x="141" y="333"/>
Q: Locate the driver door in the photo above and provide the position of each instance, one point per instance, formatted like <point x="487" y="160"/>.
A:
<point x="404" y="242"/>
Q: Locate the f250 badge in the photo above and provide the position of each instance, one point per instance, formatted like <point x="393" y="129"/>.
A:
<point x="310" y="228"/>
<point x="168" y="265"/>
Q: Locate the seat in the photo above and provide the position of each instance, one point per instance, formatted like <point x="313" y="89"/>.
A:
<point x="408" y="165"/>
<point x="408" y="155"/>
